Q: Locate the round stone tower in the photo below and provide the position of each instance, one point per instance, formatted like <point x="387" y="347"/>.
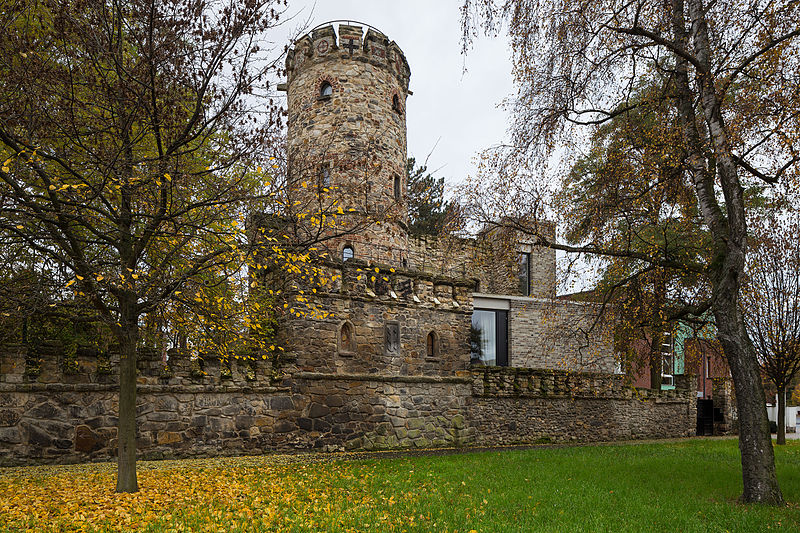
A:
<point x="347" y="138"/>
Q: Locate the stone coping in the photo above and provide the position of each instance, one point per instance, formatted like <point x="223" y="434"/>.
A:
<point x="384" y="378"/>
<point x="113" y="387"/>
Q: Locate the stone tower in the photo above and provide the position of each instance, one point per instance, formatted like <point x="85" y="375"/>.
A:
<point x="347" y="137"/>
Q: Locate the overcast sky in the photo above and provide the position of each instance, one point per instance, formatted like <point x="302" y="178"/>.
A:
<point x="457" y="109"/>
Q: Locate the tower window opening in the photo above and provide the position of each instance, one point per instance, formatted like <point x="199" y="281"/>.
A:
<point x="397" y="188"/>
<point x="348" y="253"/>
<point x="432" y="345"/>
<point x="396" y="103"/>
<point x="324" y="176"/>
<point x="325" y="90"/>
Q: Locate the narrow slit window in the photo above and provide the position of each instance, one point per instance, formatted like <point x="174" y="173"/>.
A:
<point x="524" y="274"/>
<point x="397" y="188"/>
<point x="432" y="345"/>
<point x="347" y="339"/>
<point x="396" y="103"/>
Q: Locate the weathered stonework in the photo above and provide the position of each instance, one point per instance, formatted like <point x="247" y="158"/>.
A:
<point x="491" y="258"/>
<point x="186" y="415"/>
<point x="558" y="334"/>
<point x="369" y="298"/>
<point x="351" y="144"/>
<point x="387" y="365"/>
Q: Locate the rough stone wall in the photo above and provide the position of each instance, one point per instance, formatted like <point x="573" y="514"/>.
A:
<point x="369" y="299"/>
<point x="558" y="334"/>
<point x="725" y="400"/>
<point x="207" y="415"/>
<point x="492" y="259"/>
<point x="358" y="133"/>
<point x="515" y="406"/>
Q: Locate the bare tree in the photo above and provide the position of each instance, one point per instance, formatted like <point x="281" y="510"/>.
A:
<point x="733" y="78"/>
<point x="771" y="307"/>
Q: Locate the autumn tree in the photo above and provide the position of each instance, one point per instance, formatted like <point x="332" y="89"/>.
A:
<point x="627" y="193"/>
<point x="771" y="305"/>
<point x="129" y="136"/>
<point x="728" y="71"/>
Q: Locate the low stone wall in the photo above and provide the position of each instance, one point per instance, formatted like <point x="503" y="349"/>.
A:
<point x="521" y="405"/>
<point x="237" y="412"/>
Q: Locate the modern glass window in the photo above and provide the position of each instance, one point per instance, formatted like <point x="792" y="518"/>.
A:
<point x="491" y="329"/>
<point x="524" y="274"/>
<point x="668" y="360"/>
<point x="348" y="253"/>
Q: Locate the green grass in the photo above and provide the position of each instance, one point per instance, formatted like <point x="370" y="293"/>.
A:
<point x="678" y="486"/>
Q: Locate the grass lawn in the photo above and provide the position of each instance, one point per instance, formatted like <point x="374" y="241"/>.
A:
<point x="678" y="486"/>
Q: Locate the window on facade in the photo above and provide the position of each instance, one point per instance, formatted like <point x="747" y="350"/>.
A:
<point x="348" y="253"/>
<point x="524" y="274"/>
<point x="397" y="188"/>
<point x="324" y="176"/>
<point x="396" y="103"/>
<point x="432" y="345"/>
<point x="489" y="337"/>
<point x="325" y="90"/>
<point x="668" y="360"/>
<point x="392" y="337"/>
<point x="347" y="339"/>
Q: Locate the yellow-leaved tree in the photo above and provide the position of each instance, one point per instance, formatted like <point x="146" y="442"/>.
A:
<point x="136" y="140"/>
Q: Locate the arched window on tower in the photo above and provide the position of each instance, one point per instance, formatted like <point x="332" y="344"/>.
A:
<point x="348" y="253"/>
<point x="398" y="192"/>
<point x="396" y="103"/>
<point x="325" y="90"/>
<point x="432" y="345"/>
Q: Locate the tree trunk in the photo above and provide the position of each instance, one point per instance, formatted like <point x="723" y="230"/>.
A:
<point x="755" y="444"/>
<point x="781" y="415"/>
<point x="126" y="436"/>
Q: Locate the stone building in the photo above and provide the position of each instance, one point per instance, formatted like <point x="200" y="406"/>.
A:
<point x="347" y="97"/>
<point x="392" y="365"/>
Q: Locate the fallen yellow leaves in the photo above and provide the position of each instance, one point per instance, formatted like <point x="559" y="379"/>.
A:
<point x="204" y="495"/>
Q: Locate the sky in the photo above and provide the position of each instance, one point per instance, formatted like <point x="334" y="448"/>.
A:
<point x="453" y="114"/>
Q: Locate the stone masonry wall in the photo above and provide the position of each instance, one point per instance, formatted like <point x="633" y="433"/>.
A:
<point x="559" y="334"/>
<point x="372" y="299"/>
<point x="492" y="259"/>
<point x="245" y="409"/>
<point x="516" y="405"/>
<point x="356" y="135"/>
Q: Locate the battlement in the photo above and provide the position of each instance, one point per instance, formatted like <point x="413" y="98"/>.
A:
<point x="351" y="43"/>
<point x="397" y="286"/>
<point x="48" y="364"/>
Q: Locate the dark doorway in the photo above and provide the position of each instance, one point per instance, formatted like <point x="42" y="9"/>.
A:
<point x="705" y="417"/>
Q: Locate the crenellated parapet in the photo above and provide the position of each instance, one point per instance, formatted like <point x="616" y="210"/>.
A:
<point x="395" y="286"/>
<point x="351" y="44"/>
<point x="49" y="364"/>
